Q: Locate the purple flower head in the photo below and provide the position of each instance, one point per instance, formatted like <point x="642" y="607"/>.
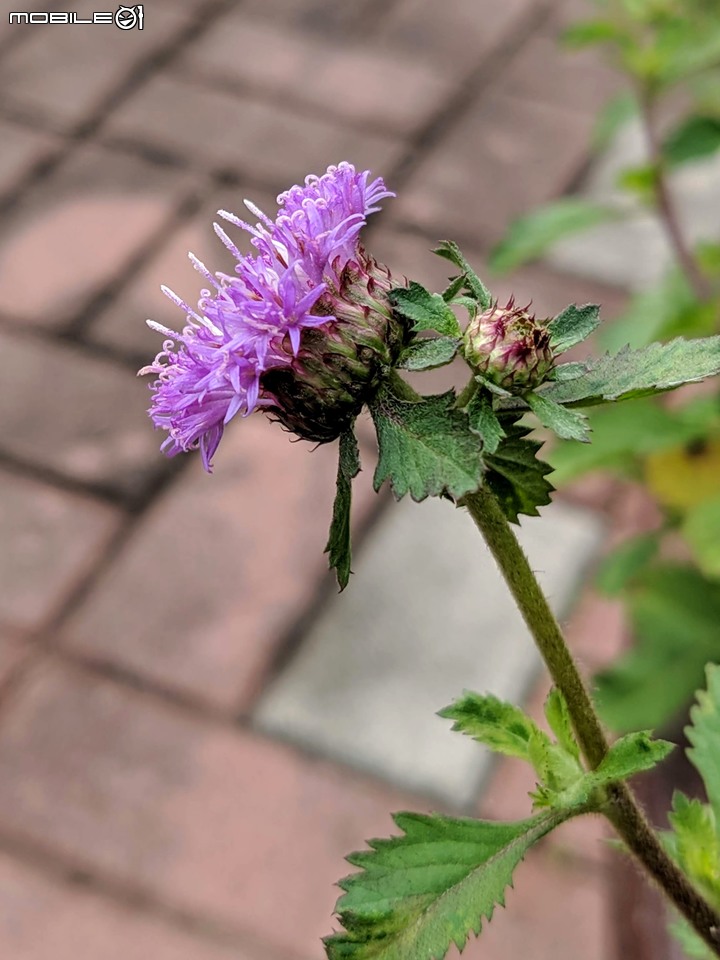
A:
<point x="250" y="325"/>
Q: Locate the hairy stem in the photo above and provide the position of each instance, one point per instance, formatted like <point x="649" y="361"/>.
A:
<point x="623" y="810"/>
<point x="666" y="206"/>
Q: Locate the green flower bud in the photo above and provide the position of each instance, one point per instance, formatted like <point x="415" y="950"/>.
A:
<point x="509" y="347"/>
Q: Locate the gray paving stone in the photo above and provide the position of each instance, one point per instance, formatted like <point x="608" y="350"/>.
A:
<point x="425" y="616"/>
<point x="634" y="252"/>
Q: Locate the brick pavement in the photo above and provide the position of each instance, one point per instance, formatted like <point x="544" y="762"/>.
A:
<point x="144" y="606"/>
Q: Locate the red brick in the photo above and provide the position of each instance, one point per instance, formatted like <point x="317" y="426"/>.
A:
<point x="550" y="291"/>
<point x="220" y="569"/>
<point x="211" y="820"/>
<point x="554" y="912"/>
<point x="318" y="16"/>
<point x="123" y="325"/>
<point x="276" y="145"/>
<point x="77" y="232"/>
<point x="23" y="148"/>
<point x="42" y="918"/>
<point x="14" y="34"/>
<point x="357" y="83"/>
<point x="597" y="631"/>
<point x="454" y="36"/>
<point x="13" y="651"/>
<point x="544" y="72"/>
<point x="50" y="541"/>
<point x="65" y="72"/>
<point x="91" y="426"/>
<point x="501" y="160"/>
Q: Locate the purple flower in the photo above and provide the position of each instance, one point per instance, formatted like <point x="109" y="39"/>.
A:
<point x="249" y="328"/>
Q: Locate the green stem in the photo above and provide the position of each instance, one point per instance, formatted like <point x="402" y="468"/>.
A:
<point x="622" y="810"/>
<point x="665" y="204"/>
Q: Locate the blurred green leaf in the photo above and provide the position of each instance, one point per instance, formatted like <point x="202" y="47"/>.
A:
<point x="623" y="434"/>
<point x="704" y="735"/>
<point x="695" y="138"/>
<point x="641" y="181"/>
<point x="650" y="314"/>
<point x="674" y="612"/>
<point x="614" y="115"/>
<point x="530" y="237"/>
<point x="589" y="33"/>
<point x="626" y="562"/>
<point x="701" y="528"/>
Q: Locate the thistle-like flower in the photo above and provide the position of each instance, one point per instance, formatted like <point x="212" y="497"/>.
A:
<point x="509" y="347"/>
<point x="304" y="330"/>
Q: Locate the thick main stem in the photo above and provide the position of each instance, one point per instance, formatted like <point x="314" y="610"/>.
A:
<point x="623" y="810"/>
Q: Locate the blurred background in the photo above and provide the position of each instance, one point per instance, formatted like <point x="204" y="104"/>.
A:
<point x="194" y="728"/>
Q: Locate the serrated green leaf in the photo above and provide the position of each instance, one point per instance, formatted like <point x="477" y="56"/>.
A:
<point x="454" y="288"/>
<point x="426" y="354"/>
<point x="426" y="448"/>
<point x="501" y="726"/>
<point x="634" y="373"/>
<point x="530" y="237"/>
<point x="567" y="424"/>
<point x="674" y="613"/>
<point x="484" y="421"/>
<point x="631" y="754"/>
<point x="695" y="138"/>
<point x="558" y="717"/>
<point x="701" y="528"/>
<point x="338" y="545"/>
<point x="695" y="844"/>
<point x="428" y="311"/>
<point x="614" y="115"/>
<point x="704" y="735"/>
<point x="625" y="562"/>
<point x="515" y="474"/>
<point x="474" y="285"/>
<point x="419" y="893"/>
<point x="572" y="326"/>
<point x="559" y="772"/>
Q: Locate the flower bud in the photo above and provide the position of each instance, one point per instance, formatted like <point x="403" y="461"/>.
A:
<point x="510" y="347"/>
